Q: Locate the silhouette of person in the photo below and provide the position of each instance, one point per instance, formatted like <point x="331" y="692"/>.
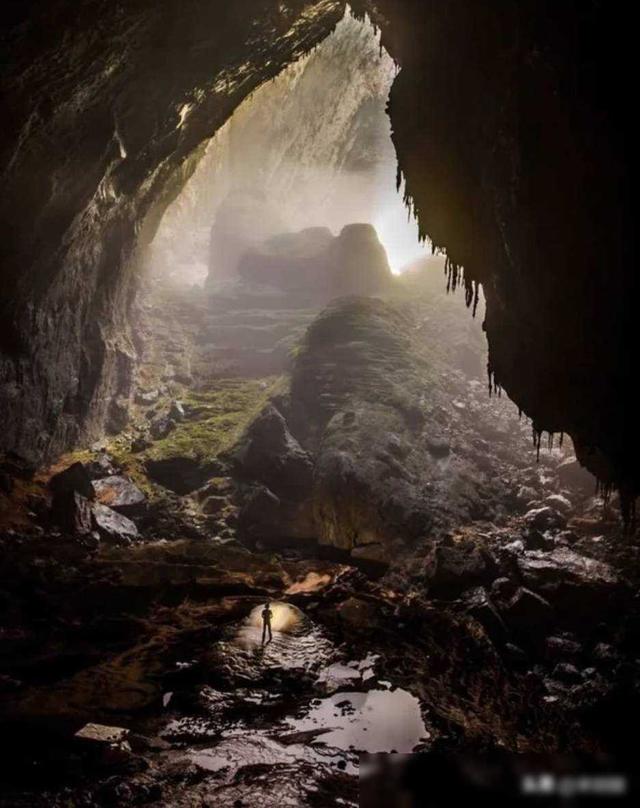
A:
<point x="266" y="621"/>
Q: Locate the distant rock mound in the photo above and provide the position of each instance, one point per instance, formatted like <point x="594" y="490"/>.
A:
<point x="315" y="264"/>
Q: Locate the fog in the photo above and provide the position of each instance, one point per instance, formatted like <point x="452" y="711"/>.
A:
<point x="311" y="148"/>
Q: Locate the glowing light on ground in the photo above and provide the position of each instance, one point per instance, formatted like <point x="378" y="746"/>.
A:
<point x="284" y="618"/>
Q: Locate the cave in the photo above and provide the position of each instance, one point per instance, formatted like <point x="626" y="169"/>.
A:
<point x="316" y="378"/>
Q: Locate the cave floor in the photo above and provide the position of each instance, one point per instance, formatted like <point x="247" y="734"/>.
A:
<point x="518" y="628"/>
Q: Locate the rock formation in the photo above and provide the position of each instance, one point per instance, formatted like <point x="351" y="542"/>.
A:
<point x="315" y="267"/>
<point x="530" y="195"/>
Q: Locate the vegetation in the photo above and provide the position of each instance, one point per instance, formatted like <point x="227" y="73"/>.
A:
<point x="217" y="418"/>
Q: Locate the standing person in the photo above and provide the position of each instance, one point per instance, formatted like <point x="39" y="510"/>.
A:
<point x="266" y="621"/>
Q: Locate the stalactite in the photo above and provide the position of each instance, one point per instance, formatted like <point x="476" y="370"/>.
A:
<point x="468" y="291"/>
<point x="494" y="386"/>
<point x="476" y="298"/>
<point x="537" y="440"/>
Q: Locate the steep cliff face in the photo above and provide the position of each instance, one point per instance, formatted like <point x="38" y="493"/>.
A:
<point x="511" y="126"/>
<point x="108" y="105"/>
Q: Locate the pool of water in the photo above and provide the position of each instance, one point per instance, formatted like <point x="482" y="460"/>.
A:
<point x="375" y="721"/>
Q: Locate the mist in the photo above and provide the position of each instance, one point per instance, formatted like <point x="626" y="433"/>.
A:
<point x="312" y="148"/>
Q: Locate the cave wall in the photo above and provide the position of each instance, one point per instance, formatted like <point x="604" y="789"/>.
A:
<point x="107" y="107"/>
<point x="512" y="125"/>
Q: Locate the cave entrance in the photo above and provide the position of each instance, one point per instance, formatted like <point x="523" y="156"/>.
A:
<point x="293" y="311"/>
<point x="310" y="149"/>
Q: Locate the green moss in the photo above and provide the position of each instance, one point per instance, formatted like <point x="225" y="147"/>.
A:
<point x="221" y="414"/>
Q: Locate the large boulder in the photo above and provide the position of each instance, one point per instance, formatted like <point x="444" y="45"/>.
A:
<point x="268" y="453"/>
<point x="72" y="513"/>
<point x="527" y="612"/>
<point x="545" y="518"/>
<point x="113" y="527"/>
<point x="315" y="264"/>
<point x="119" y="493"/>
<point x="452" y="568"/>
<point x="74" y="479"/>
<point x="358" y="262"/>
<point x="574" y="583"/>
<point x="267" y="518"/>
<point x="295" y="262"/>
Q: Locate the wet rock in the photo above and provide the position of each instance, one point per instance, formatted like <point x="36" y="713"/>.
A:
<point x="559" y="503"/>
<point x="502" y="589"/>
<point x="121" y="494"/>
<point x="515" y="547"/>
<point x="534" y="540"/>
<point x="528" y="611"/>
<point x="479" y="605"/>
<point x="574" y="476"/>
<point x="73" y="479"/>
<point x="526" y="494"/>
<point x="268" y="453"/>
<point x="113" y="527"/>
<point x="452" y="568"/>
<point x="573" y="582"/>
<point x="561" y="648"/>
<point x="544" y="518"/>
<point x="566" y="537"/>
<point x="72" y="513"/>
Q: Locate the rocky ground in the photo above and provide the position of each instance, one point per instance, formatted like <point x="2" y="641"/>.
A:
<point x="437" y="586"/>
